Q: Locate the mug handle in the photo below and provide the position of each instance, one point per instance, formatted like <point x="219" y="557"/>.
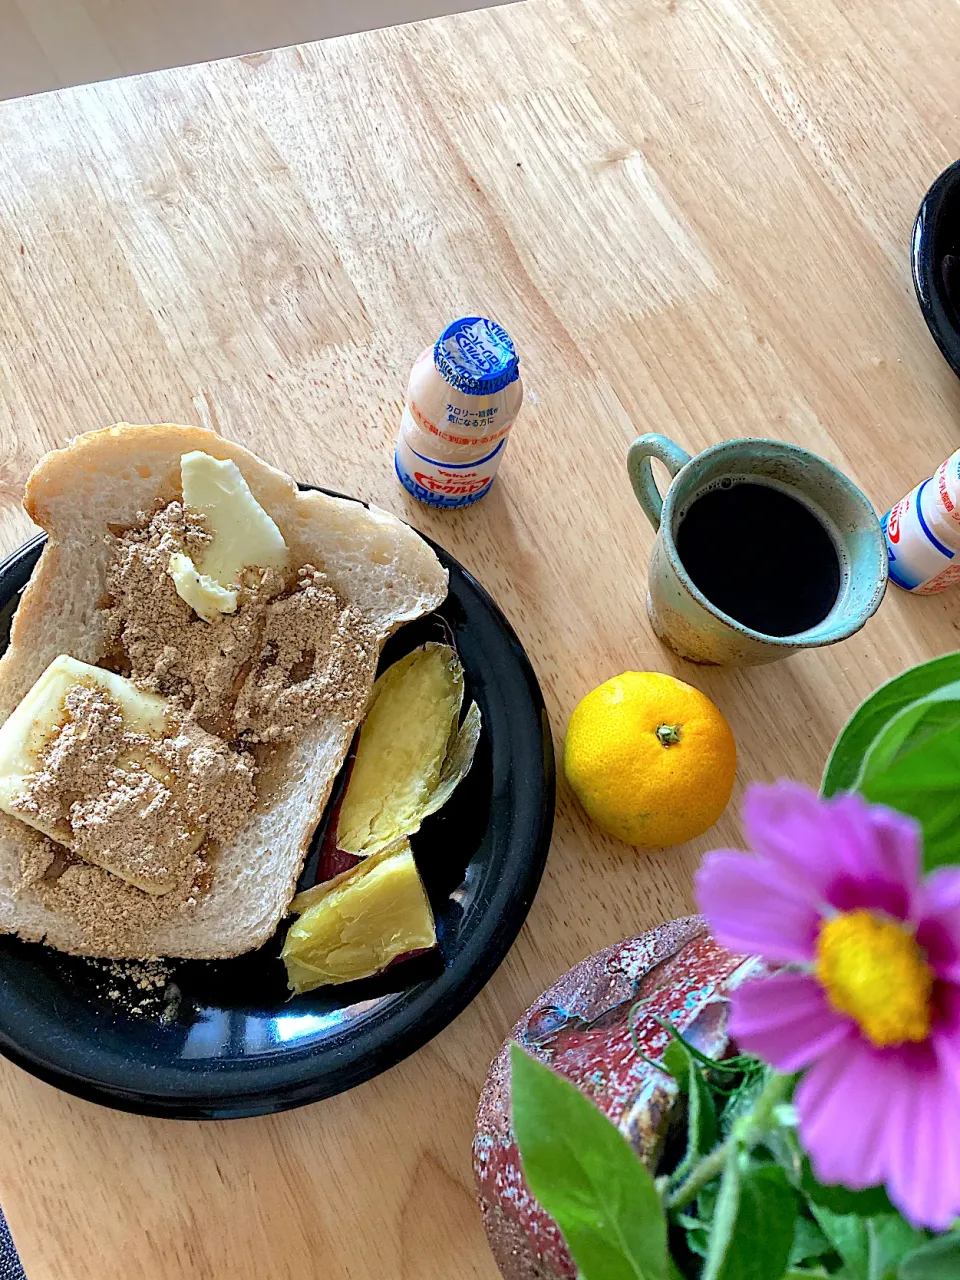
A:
<point x="641" y="473"/>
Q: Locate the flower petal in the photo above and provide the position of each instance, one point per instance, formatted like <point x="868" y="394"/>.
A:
<point x="872" y="1115"/>
<point x="842" y="1103"/>
<point x="786" y="1020"/>
<point x="876" y="858"/>
<point x="945" y="1039"/>
<point x="752" y="907"/>
<point x="945" y="1034"/>
<point x="938" y="931"/>
<point x="783" y="822"/>
<point x="923" y="1172"/>
<point x="843" y="850"/>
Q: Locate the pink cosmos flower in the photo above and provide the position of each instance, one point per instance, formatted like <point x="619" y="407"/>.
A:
<point x="869" y="1008"/>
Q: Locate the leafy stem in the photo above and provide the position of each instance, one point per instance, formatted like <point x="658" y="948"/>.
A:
<point x="763" y="1117"/>
<point x="746" y="1132"/>
<point x="708" y="1168"/>
<point x="736" y="1066"/>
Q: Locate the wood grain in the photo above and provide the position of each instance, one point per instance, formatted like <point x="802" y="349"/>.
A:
<point x="693" y="216"/>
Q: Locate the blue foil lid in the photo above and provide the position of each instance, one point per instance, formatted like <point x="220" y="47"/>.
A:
<point x="476" y="356"/>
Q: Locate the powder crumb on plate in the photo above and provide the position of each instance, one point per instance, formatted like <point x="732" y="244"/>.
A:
<point x="139" y="987"/>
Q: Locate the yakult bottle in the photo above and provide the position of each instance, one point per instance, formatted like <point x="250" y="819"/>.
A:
<point x="462" y="399"/>
<point x="923" y="533"/>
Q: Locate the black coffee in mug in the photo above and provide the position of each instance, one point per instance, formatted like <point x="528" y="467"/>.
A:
<point x="761" y="556"/>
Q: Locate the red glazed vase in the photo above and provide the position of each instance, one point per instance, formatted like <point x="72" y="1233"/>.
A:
<point x="581" y="1028"/>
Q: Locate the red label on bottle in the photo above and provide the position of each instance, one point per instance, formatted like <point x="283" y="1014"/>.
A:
<point x="453" y="486"/>
<point x="893" y="524"/>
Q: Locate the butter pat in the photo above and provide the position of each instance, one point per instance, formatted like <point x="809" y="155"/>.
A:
<point x="203" y="594"/>
<point x="34" y="723"/>
<point x="125" y="819"/>
<point x="243" y="536"/>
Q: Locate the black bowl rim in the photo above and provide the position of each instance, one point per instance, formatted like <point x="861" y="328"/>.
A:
<point x="926" y="278"/>
<point x="459" y="989"/>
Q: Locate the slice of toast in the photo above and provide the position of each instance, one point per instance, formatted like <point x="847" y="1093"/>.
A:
<point x="104" y="481"/>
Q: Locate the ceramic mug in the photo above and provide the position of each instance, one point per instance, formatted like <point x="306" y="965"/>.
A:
<point x="682" y="616"/>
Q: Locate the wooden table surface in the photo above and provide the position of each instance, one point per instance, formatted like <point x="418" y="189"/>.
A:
<point x="693" y="217"/>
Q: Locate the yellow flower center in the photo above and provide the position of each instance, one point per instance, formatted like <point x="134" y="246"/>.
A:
<point x="872" y="969"/>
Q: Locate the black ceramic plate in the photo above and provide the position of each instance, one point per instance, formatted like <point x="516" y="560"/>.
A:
<point x="237" y="1045"/>
<point x="935" y="258"/>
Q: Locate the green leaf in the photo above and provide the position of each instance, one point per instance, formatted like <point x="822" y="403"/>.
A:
<point x="839" y="1200"/>
<point x="876" y="712"/>
<point x="586" y="1176"/>
<point x="891" y="1239"/>
<point x="702" y="1116"/>
<point x="724" y="1217"/>
<point x="753" y="1223"/>
<point x="909" y="728"/>
<point x="808" y="1241"/>
<point x="697" y="1233"/>
<point x="871" y="1248"/>
<point x="937" y="1260"/>
<point x="698" y="1229"/>
<point x="925" y="783"/>
<point x="848" y="1235"/>
<point x="814" y="1273"/>
<point x="741" y="1101"/>
<point x="674" y="1062"/>
<point x="701" y="1113"/>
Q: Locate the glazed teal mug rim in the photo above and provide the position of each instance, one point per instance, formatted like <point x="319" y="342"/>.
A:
<point x="660" y="510"/>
